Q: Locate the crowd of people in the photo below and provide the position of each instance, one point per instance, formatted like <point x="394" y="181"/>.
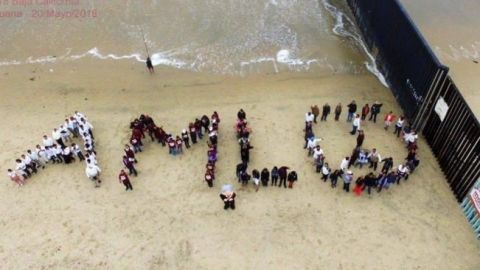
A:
<point x="145" y="125"/>
<point x="266" y="176"/>
<point x="389" y="174"/>
<point x="60" y="148"/>
<point x="212" y="154"/>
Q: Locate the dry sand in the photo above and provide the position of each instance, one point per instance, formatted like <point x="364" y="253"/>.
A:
<point x="172" y="220"/>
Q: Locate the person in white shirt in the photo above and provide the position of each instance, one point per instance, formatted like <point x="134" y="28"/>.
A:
<point x="29" y="164"/>
<point x="79" y="115"/>
<point x="309" y="117"/>
<point x="410" y="137"/>
<point x="15" y="177"/>
<point x="50" y="154"/>
<point x="399" y="126"/>
<point x="67" y="155"/>
<point x="317" y="152"/>
<point x="93" y="173"/>
<point x="87" y="127"/>
<point x="76" y="150"/>
<point x="47" y="141"/>
<point x="312" y="144"/>
<point x="355" y="124"/>
<point x="36" y="159"/>
<point x="65" y="133"/>
<point x="72" y="126"/>
<point x="41" y="154"/>
<point x="374" y="158"/>
<point x="58" y="150"/>
<point x="87" y="139"/>
<point x="57" y="137"/>
<point x="344" y="164"/>
<point x="325" y="172"/>
<point x="402" y="172"/>
<point x="22" y="168"/>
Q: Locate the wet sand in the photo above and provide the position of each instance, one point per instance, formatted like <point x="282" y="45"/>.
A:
<point x="172" y="220"/>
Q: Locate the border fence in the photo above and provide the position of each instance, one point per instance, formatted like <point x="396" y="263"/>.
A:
<point x="424" y="90"/>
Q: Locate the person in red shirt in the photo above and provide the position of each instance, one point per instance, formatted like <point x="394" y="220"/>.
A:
<point x="209" y="177"/>
<point x="365" y="111"/>
<point x="179" y="143"/>
<point x="129" y="152"/>
<point x="389" y="118"/>
<point x="123" y="179"/>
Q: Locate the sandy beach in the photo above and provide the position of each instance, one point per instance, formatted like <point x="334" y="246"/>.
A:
<point x="172" y="220"/>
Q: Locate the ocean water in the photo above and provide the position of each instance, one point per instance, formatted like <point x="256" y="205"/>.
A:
<point x="218" y="36"/>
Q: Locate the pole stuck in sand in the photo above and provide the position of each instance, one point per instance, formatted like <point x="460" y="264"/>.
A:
<point x="144" y="41"/>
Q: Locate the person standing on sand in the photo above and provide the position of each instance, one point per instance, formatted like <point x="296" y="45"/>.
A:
<point x="338" y="111"/>
<point x="15" y="177"/>
<point x="185" y="138"/>
<point x="325" y="172"/>
<point x="325" y="112"/>
<point x="354" y="156"/>
<point x="315" y="112"/>
<point x="347" y="179"/>
<point x="399" y="126"/>
<point x="352" y="109"/>
<point x="58" y="137"/>
<point x="265" y="177"/>
<point x="388" y="120"/>
<point x="334" y="177"/>
<point x="22" y="168"/>
<point x="274" y="174"/>
<point x="256" y="179"/>
<point x="374" y="158"/>
<point x="241" y="115"/>
<point x="193" y="132"/>
<point x="282" y="173"/>
<point x="370" y="182"/>
<point x="374" y="110"/>
<point x="209" y="177"/>
<point x="309" y="119"/>
<point x="355" y="124"/>
<point x="365" y="111"/>
<point x="93" y="172"/>
<point x="149" y="65"/>
<point x="47" y="141"/>
<point x="292" y="177"/>
<point x="123" y="179"/>
<point x="360" y="138"/>
<point x="228" y="198"/>
<point x="387" y="164"/>
<point x="344" y="164"/>
<point x="129" y="164"/>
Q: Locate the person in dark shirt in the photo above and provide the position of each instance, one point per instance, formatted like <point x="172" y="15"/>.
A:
<point x="282" y="173"/>
<point x="265" y="177"/>
<point x="274" y="176"/>
<point x="338" y="111"/>
<point x="352" y="109"/>
<point x="334" y="177"/>
<point x="123" y="178"/>
<point x="370" y="182"/>
<point x="360" y="138"/>
<point x="150" y="65"/>
<point x="241" y="115"/>
<point x="374" y="110"/>
<point x="387" y="164"/>
<point x="365" y="111"/>
<point x="292" y="177"/>
<point x="325" y="112"/>
<point x="228" y="199"/>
